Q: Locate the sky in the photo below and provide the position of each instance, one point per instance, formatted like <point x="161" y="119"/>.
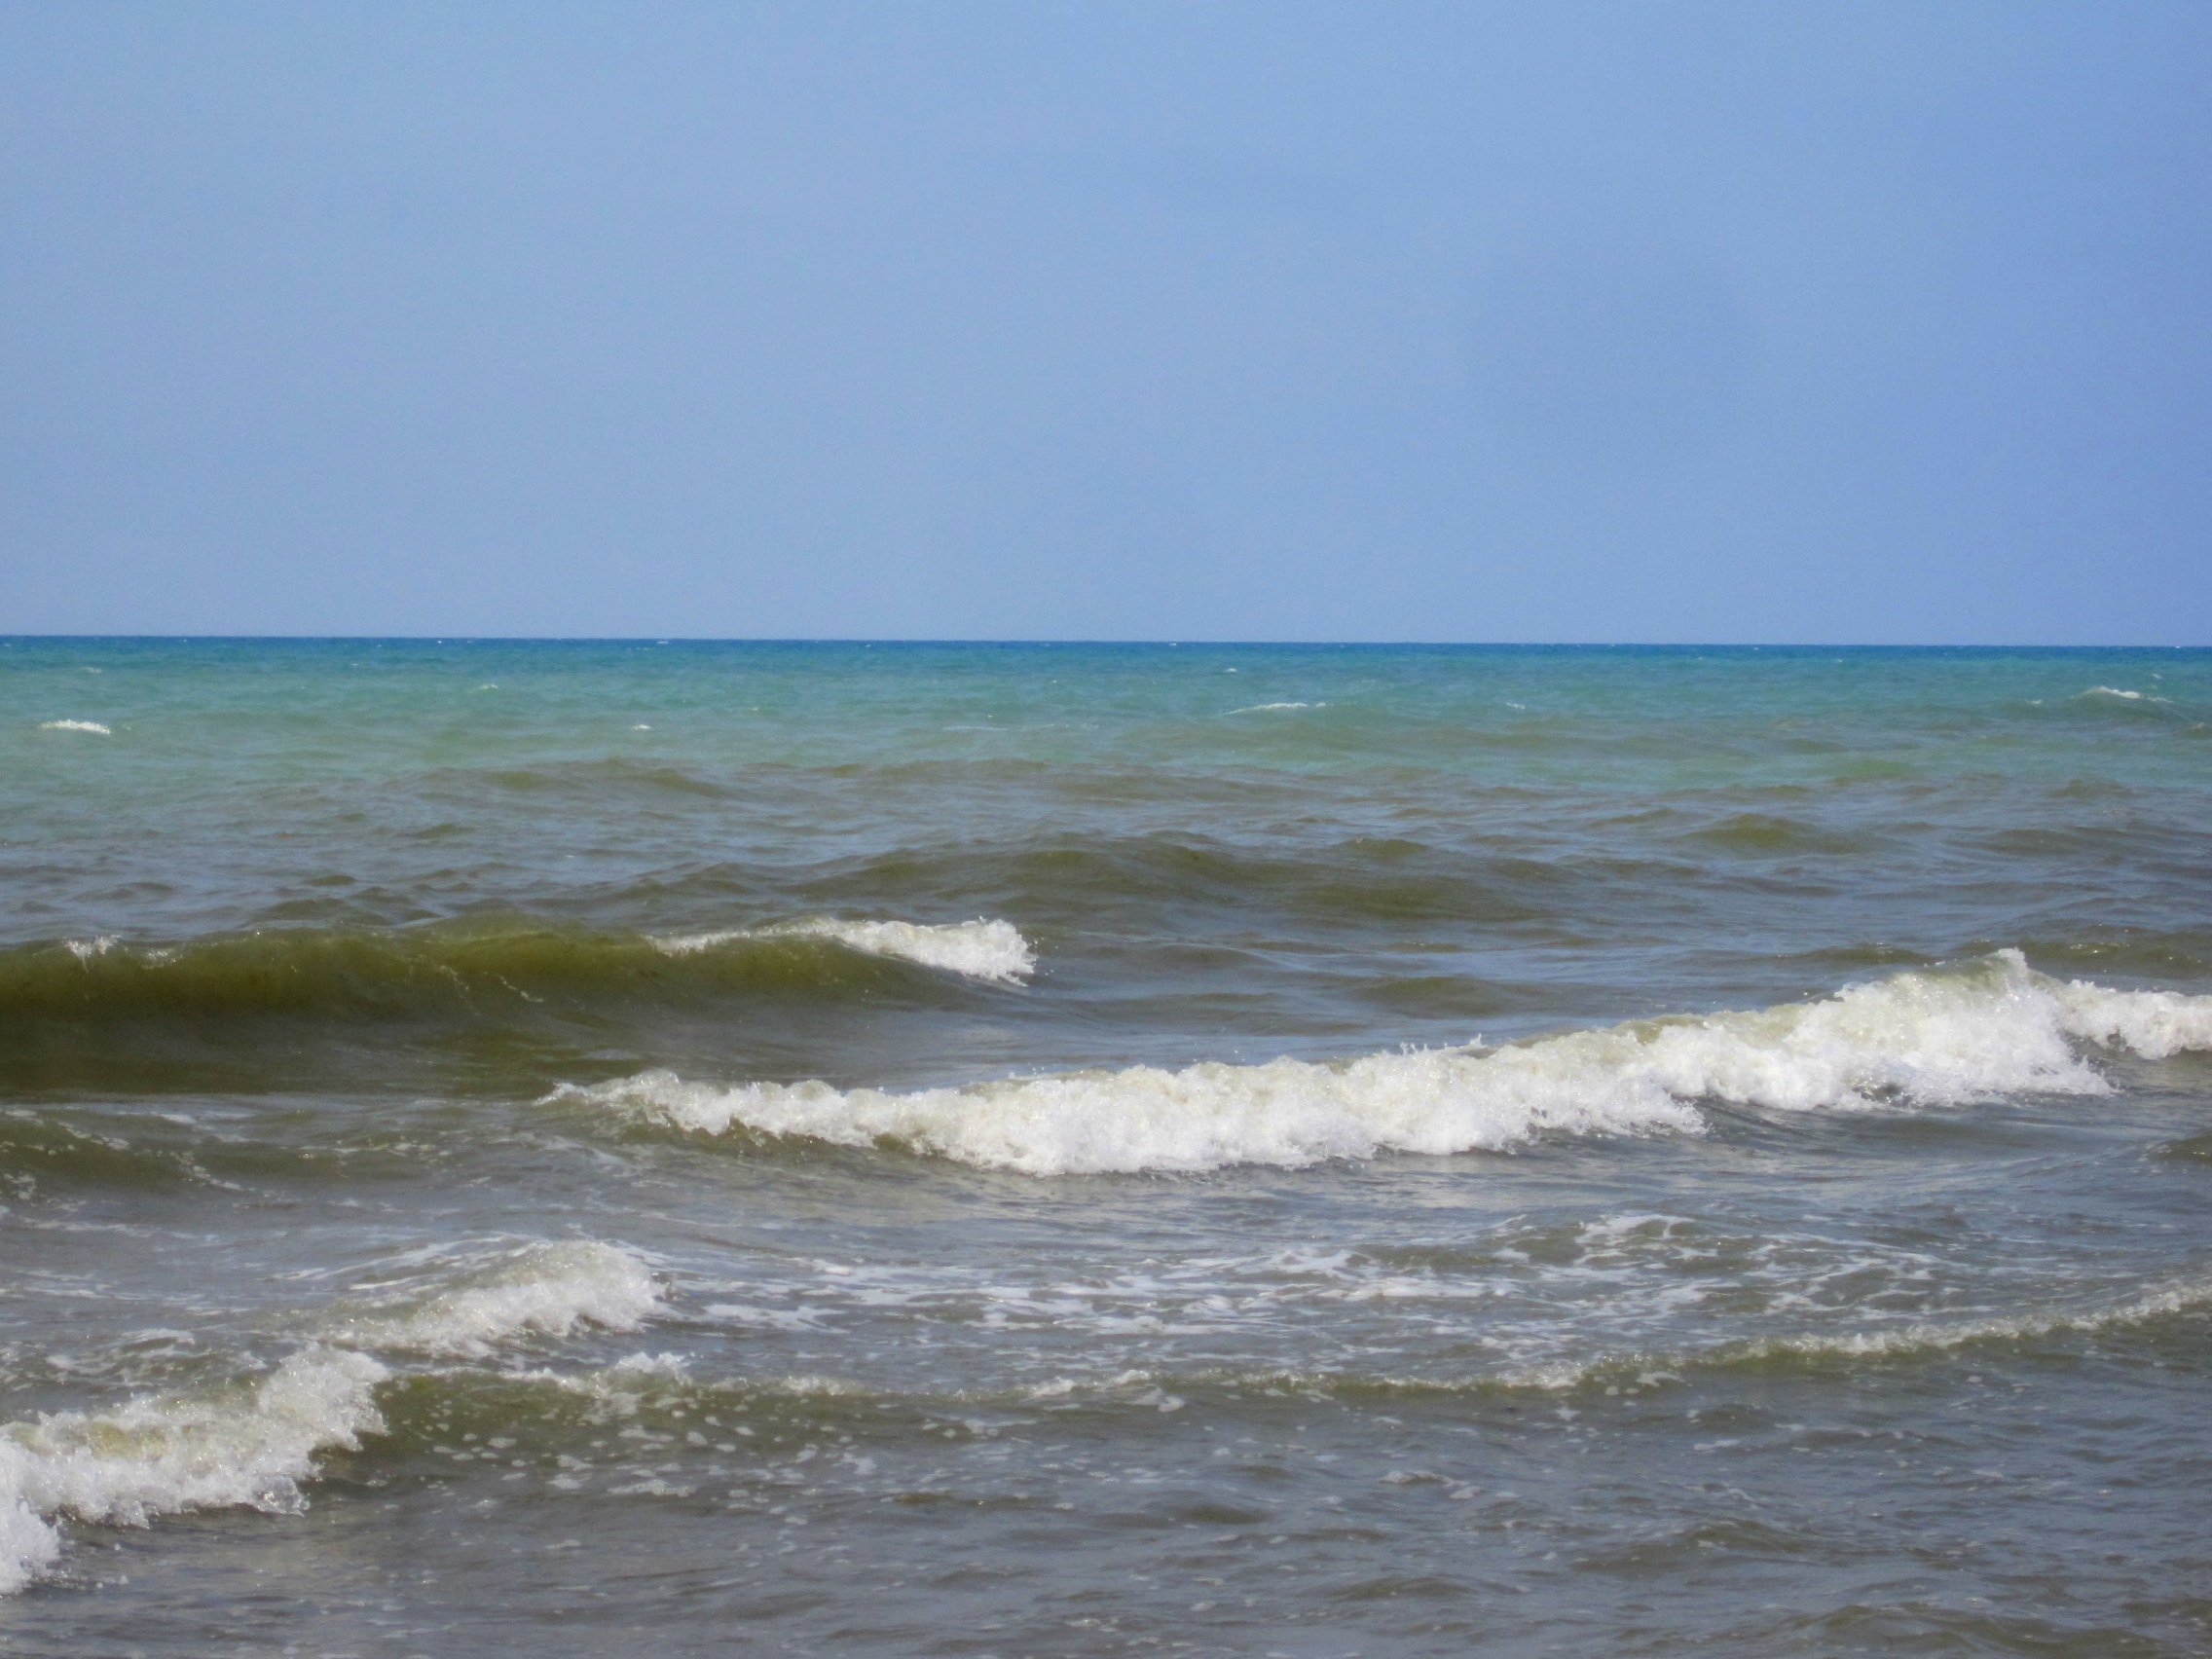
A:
<point x="1822" y="322"/>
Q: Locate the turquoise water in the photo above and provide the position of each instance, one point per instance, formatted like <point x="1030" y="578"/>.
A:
<point x="1081" y="1149"/>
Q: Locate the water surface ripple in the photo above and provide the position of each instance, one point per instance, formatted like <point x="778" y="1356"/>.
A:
<point x="1011" y="1150"/>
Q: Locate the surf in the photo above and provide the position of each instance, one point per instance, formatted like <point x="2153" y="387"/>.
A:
<point x="1927" y="1038"/>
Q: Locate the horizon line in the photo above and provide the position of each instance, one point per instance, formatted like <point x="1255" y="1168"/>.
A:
<point x="1161" y="643"/>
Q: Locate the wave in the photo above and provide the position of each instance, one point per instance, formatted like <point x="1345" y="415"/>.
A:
<point x="981" y="949"/>
<point x="92" y="726"/>
<point x="248" y="1445"/>
<point x="253" y="1443"/>
<point x="472" y="966"/>
<point x="1766" y="833"/>
<point x="1929" y="1037"/>
<point x="545" y="1290"/>
<point x="2120" y="700"/>
<point x="1628" y="1372"/>
<point x="1355" y="880"/>
<point x="257" y="1442"/>
<point x="1272" y="708"/>
<point x="1905" y="1340"/>
<point x="1935" y="1336"/>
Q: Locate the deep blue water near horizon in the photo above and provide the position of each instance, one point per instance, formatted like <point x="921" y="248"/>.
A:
<point x="1087" y="1149"/>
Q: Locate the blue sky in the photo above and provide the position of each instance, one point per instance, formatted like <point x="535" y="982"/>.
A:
<point x="1480" y="321"/>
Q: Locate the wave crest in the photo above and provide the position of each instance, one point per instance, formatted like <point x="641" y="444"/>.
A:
<point x="545" y="1290"/>
<point x="254" y="1441"/>
<point x="981" y="949"/>
<point x="1928" y="1038"/>
<point x="248" y="1445"/>
<point x="473" y="968"/>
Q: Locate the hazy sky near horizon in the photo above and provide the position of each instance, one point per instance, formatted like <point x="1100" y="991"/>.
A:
<point x="1478" y="321"/>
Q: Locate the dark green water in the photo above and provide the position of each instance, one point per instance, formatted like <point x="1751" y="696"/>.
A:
<point x="1083" y="1150"/>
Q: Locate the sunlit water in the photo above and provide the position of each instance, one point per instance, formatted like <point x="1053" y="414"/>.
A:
<point x="1022" y="1150"/>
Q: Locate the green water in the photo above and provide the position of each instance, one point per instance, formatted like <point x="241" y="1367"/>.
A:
<point x="1020" y="1150"/>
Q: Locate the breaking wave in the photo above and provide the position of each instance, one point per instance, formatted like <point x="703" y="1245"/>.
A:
<point x="92" y="726"/>
<point x="251" y="1442"/>
<point x="1926" y="1038"/>
<point x="981" y="949"/>
<point x="545" y="1290"/>
<point x="248" y="1445"/>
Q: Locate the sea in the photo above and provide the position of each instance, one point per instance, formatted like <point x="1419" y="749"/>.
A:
<point x="1033" y="1149"/>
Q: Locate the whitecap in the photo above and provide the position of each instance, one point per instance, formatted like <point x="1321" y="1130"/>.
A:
<point x="981" y="949"/>
<point x="245" y="1445"/>
<point x="1269" y="707"/>
<point x="253" y="1443"/>
<point x="545" y="1290"/>
<point x="1928" y="1039"/>
<point x="92" y="726"/>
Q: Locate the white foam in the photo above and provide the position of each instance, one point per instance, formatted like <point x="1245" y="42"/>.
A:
<point x="1930" y="1337"/>
<point x="2124" y="697"/>
<point x="247" y="1444"/>
<point x="1269" y="707"/>
<point x="981" y="949"/>
<point x="92" y="726"/>
<point x="542" y="1290"/>
<point x="1924" y="1037"/>
<point x="2155" y="1024"/>
<point x="85" y="950"/>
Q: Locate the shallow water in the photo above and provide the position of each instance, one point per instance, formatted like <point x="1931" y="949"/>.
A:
<point x="1018" y="1150"/>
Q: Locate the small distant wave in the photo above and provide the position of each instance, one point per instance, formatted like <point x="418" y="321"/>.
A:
<point x="545" y="1290"/>
<point x="981" y="949"/>
<point x="1771" y="833"/>
<point x="92" y="726"/>
<point x="1926" y="1038"/>
<point x="1271" y="708"/>
<point x="2120" y="694"/>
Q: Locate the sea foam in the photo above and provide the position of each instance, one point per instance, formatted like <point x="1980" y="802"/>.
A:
<point x="1924" y="1037"/>
<point x="249" y="1444"/>
<point x="981" y="949"/>
<point x="92" y="726"/>
<point x="545" y="1290"/>
<point x="253" y="1443"/>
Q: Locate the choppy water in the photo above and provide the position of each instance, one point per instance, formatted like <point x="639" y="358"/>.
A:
<point x="1021" y="1150"/>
